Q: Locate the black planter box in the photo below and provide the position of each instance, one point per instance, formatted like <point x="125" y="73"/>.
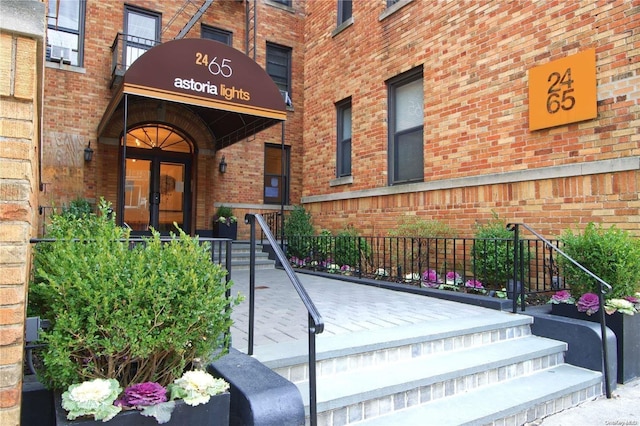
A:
<point x="222" y="230"/>
<point x="627" y="331"/>
<point x="213" y="413"/>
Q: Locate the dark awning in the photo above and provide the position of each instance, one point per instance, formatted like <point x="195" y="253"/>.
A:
<point x="230" y="92"/>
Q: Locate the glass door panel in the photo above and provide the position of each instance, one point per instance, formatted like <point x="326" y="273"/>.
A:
<point x="172" y="189"/>
<point x="136" y="194"/>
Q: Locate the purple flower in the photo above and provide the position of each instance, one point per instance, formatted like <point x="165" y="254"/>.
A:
<point x="589" y="303"/>
<point x="451" y="275"/>
<point x="143" y="394"/>
<point x="454" y="278"/>
<point x="474" y="284"/>
<point x="561" y="296"/>
<point x="430" y="276"/>
<point x="632" y="299"/>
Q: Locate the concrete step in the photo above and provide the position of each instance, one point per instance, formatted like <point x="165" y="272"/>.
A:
<point x="439" y="375"/>
<point x="514" y="402"/>
<point x="400" y="370"/>
<point x="369" y="348"/>
<point x="241" y="254"/>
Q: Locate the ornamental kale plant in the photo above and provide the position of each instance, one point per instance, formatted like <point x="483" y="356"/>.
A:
<point x="92" y="398"/>
<point x="131" y="312"/>
<point x="588" y="303"/>
<point x="143" y="394"/>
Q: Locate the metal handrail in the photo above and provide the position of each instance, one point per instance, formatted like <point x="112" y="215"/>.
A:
<point x="315" y="321"/>
<point x="604" y="289"/>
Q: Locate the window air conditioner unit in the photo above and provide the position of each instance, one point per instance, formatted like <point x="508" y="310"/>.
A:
<point x="60" y="54"/>
<point x="287" y="99"/>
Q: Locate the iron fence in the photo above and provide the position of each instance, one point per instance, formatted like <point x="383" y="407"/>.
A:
<point x="463" y="264"/>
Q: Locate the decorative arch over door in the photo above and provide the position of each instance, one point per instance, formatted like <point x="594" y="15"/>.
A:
<point x="230" y="93"/>
<point x="157" y="189"/>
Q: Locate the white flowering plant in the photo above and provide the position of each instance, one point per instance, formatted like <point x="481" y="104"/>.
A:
<point x="197" y="387"/>
<point x="224" y="215"/>
<point x="92" y="398"/>
<point x="629" y="305"/>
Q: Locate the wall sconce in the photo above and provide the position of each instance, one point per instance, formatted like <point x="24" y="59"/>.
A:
<point x="88" y="152"/>
<point x="223" y="165"/>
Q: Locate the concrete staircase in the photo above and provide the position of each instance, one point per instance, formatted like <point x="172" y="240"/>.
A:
<point x="467" y="371"/>
<point x="240" y="254"/>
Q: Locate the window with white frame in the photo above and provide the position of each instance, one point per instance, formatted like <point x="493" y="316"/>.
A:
<point x="406" y="128"/>
<point x="65" y="31"/>
<point x="343" y="158"/>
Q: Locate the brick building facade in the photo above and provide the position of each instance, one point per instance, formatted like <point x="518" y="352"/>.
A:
<point x="479" y="155"/>
<point x="78" y="94"/>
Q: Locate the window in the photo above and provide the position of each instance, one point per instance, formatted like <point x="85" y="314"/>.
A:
<point x="344" y="10"/>
<point x="343" y="161"/>
<point x="283" y="2"/>
<point x="391" y="2"/>
<point x="276" y="184"/>
<point x="142" y="32"/>
<point x="406" y="124"/>
<point x="65" y="31"/>
<point x="217" y="34"/>
<point x="279" y="68"/>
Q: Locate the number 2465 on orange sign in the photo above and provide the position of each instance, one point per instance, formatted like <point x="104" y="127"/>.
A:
<point x="563" y="91"/>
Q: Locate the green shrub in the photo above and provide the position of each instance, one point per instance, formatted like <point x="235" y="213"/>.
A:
<point x="134" y="313"/>
<point x="350" y="249"/>
<point x="77" y="208"/>
<point x="224" y="214"/>
<point x="321" y="246"/>
<point x="493" y="253"/>
<point x="297" y="224"/>
<point x="414" y="227"/>
<point x="426" y="233"/>
<point x="611" y="254"/>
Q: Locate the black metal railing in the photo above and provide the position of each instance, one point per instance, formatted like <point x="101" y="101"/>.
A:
<point x="315" y="322"/>
<point x="604" y="288"/>
<point x="125" y="49"/>
<point x="463" y="264"/>
<point x="45" y="212"/>
<point x="515" y="268"/>
<point x="274" y="223"/>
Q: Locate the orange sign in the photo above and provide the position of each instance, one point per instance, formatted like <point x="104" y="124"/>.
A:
<point x="563" y="91"/>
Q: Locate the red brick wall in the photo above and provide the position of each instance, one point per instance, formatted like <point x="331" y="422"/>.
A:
<point x="475" y="57"/>
<point x="76" y="98"/>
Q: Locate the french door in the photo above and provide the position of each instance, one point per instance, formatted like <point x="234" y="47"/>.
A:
<point x="157" y="192"/>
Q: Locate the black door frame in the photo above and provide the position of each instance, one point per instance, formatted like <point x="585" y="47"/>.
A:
<point x="157" y="156"/>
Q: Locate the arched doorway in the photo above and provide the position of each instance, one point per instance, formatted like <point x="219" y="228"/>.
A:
<point x="157" y="184"/>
